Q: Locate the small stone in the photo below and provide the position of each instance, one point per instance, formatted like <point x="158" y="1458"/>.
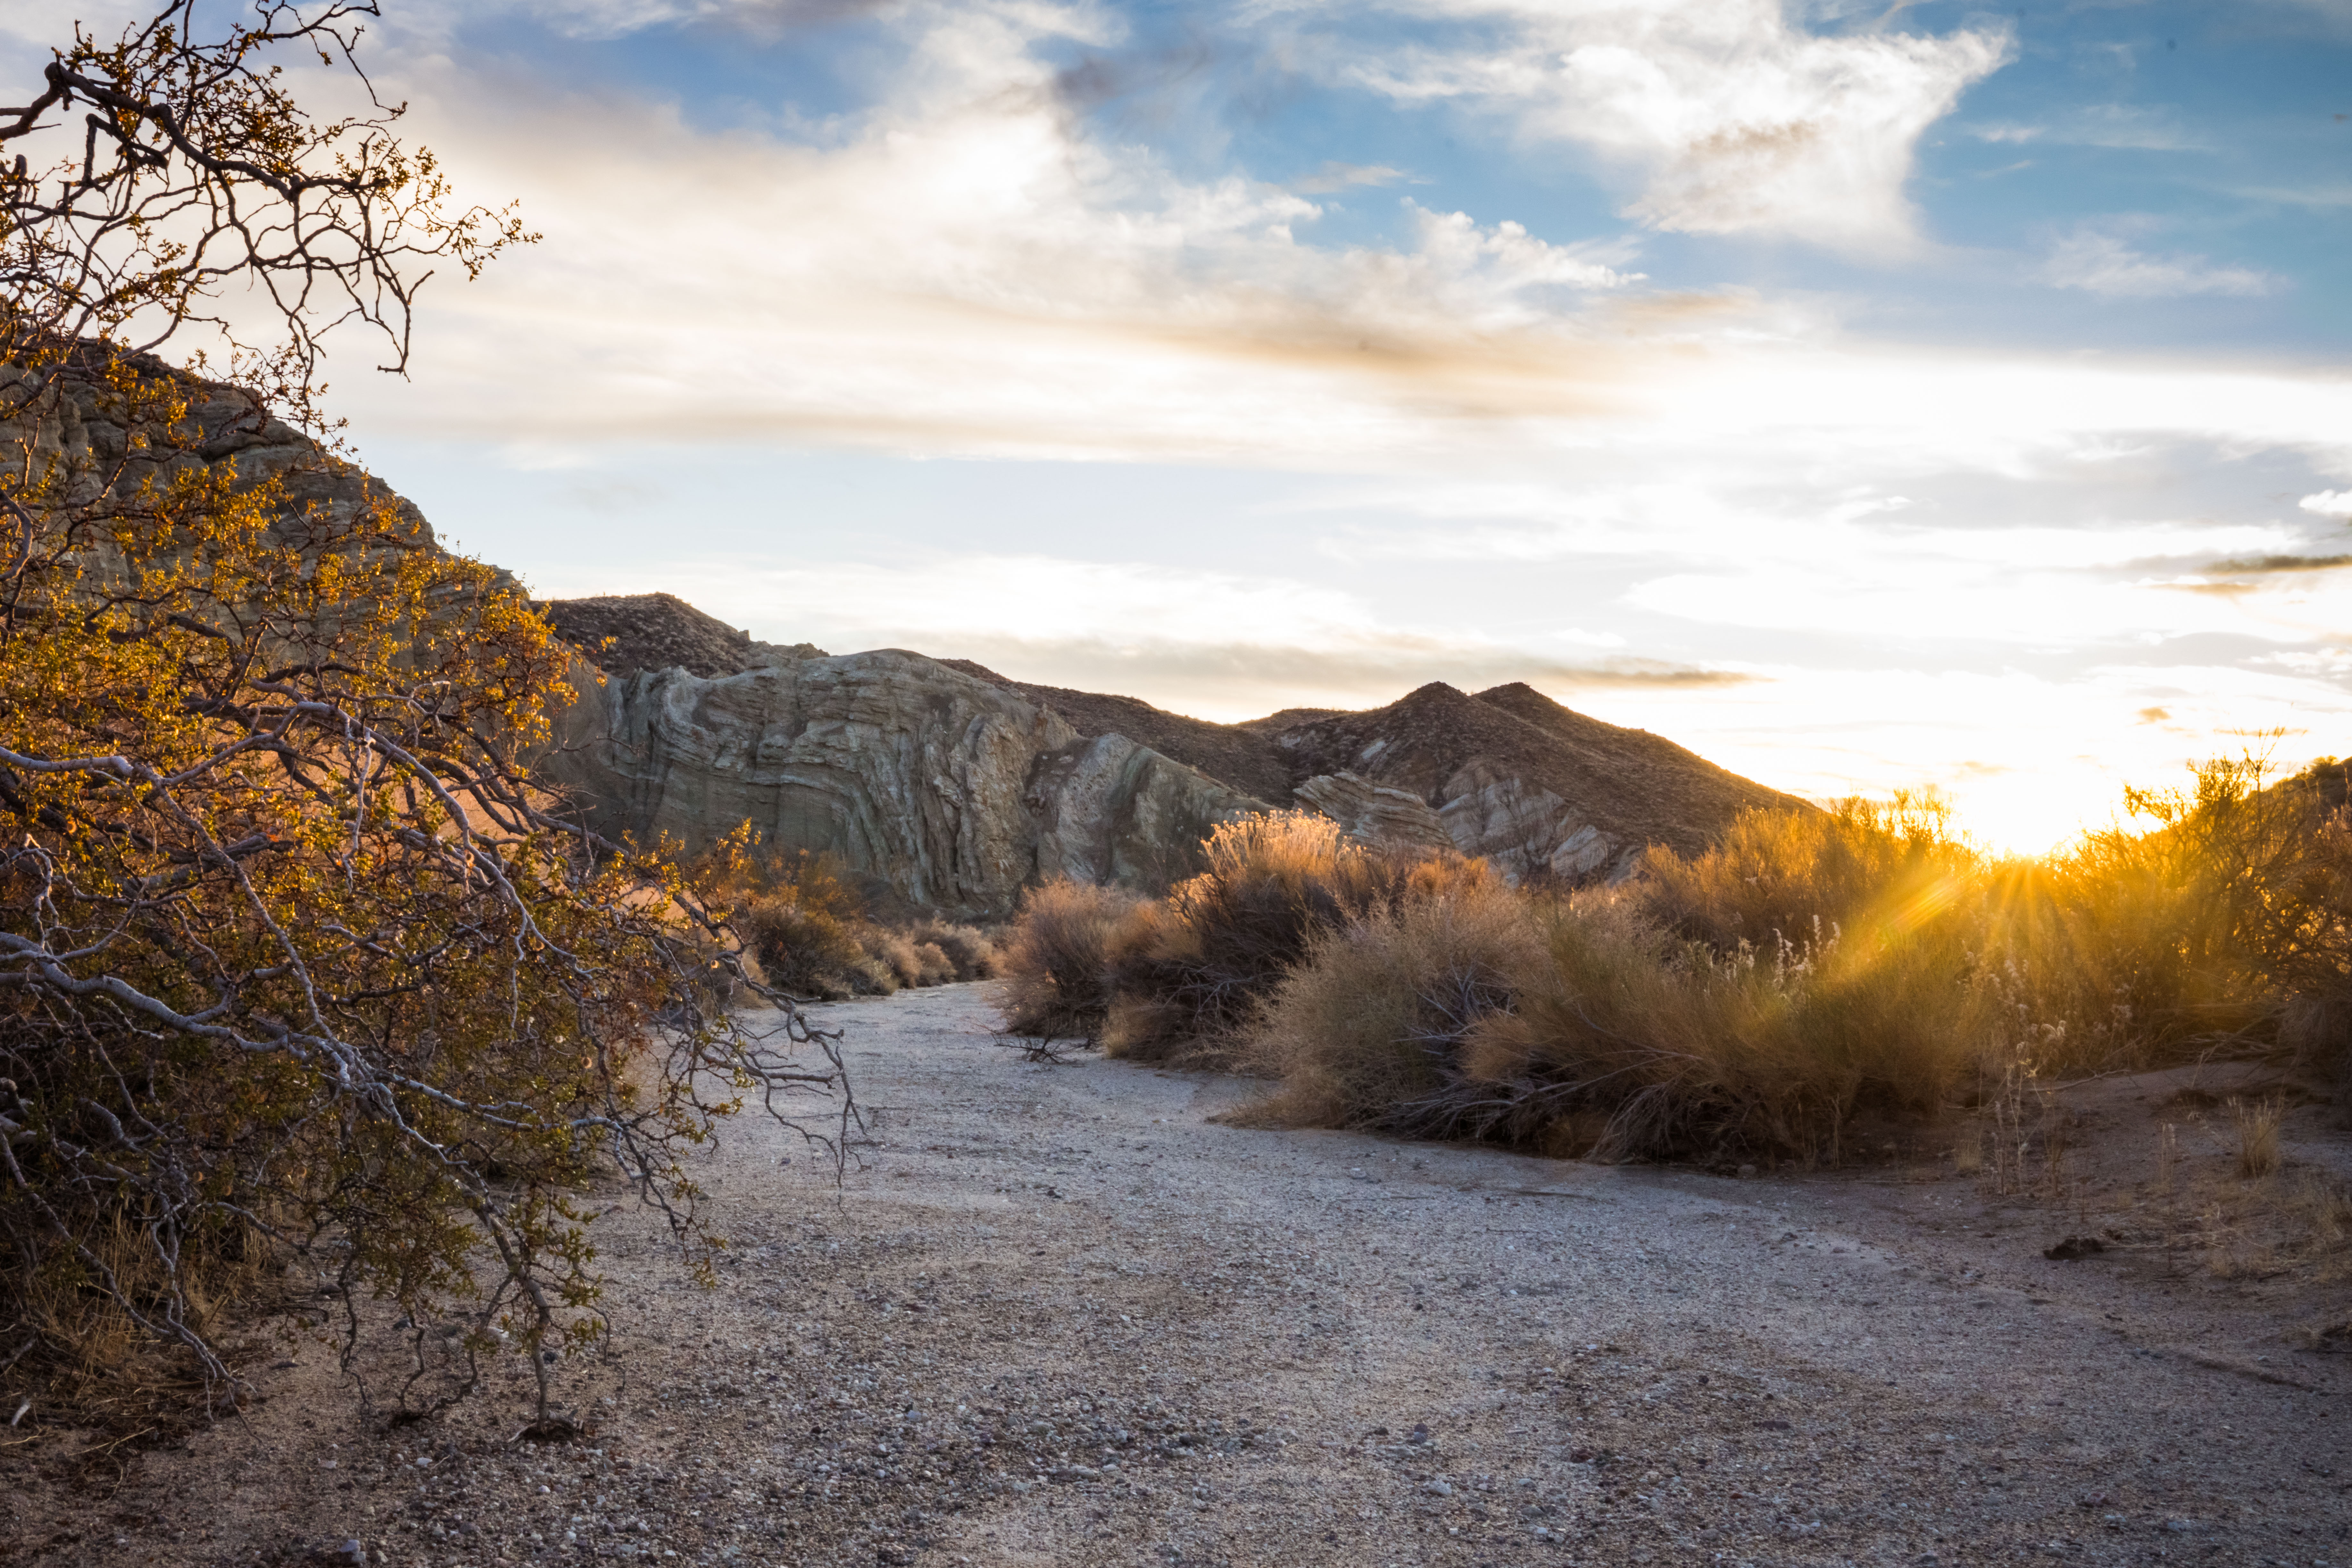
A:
<point x="1437" y="1489"/>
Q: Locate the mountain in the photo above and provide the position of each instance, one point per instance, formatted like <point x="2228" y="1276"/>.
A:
<point x="1114" y="785"/>
<point x="1513" y="775"/>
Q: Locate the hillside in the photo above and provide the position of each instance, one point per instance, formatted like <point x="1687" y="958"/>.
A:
<point x="1238" y="755"/>
<point x="1507" y="774"/>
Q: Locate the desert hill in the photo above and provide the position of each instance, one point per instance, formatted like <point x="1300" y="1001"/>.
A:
<point x="1512" y="774"/>
<point x="1114" y="788"/>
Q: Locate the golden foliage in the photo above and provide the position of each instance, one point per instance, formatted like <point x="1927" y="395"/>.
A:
<point x="291" y="952"/>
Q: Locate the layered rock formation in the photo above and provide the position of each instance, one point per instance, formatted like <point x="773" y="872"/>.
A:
<point x="953" y="791"/>
<point x="957" y="784"/>
<point x="1510" y="774"/>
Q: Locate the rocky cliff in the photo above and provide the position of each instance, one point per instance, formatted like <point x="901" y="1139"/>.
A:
<point x="952" y="790"/>
<point x="1540" y="789"/>
<point x="957" y="784"/>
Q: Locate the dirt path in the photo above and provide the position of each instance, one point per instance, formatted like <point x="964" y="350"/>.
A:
<point x="1057" y="1319"/>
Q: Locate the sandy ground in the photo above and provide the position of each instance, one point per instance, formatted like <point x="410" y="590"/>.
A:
<point x="1057" y="1318"/>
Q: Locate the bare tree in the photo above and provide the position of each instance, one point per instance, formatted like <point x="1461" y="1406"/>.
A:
<point x="182" y="172"/>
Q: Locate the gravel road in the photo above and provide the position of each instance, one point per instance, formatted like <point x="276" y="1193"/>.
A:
<point x="1058" y="1318"/>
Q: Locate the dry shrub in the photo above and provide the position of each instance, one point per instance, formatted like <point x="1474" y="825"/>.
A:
<point x="970" y="952"/>
<point x="1684" y="1052"/>
<point x="810" y="931"/>
<point x="934" y="966"/>
<point x="1789" y="876"/>
<point x="1365" y="1031"/>
<point x="803" y="951"/>
<point x="1587" y="1028"/>
<point x="1191" y="971"/>
<point x="895" y="954"/>
<point x="1055" y="964"/>
<point x="2257" y="1135"/>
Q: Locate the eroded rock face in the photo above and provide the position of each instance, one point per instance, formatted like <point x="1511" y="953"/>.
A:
<point x="1376" y="813"/>
<point x="1110" y="810"/>
<point x="1524" y="829"/>
<point x="951" y="789"/>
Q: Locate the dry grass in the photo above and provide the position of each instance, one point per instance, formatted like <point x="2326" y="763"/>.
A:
<point x="2257" y="1124"/>
<point x="1055" y="964"/>
<point x="71" y="1351"/>
<point x="1680" y="1052"/>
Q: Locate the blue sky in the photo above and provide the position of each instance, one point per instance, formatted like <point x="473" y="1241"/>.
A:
<point x="1862" y="395"/>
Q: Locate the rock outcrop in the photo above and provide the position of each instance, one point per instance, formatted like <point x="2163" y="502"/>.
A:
<point x="1109" y="810"/>
<point x="622" y="633"/>
<point x="952" y="790"/>
<point x="1241" y="756"/>
<point x="957" y="784"/>
<point x="1510" y="774"/>
<point x="1376" y="813"/>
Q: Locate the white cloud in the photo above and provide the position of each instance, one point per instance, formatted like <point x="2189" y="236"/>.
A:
<point x="1333" y="177"/>
<point x="2328" y="503"/>
<point x="1738" y="121"/>
<point x="1219" y="645"/>
<point x="2120" y="126"/>
<point x="2098" y="257"/>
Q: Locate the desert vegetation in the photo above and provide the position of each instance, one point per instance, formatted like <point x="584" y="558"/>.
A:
<point x="1813" y="975"/>
<point x="301" y="974"/>
<point x="814" y="935"/>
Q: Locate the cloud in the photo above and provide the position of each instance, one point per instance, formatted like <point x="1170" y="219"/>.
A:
<point x="2098" y="258"/>
<point x="2119" y="126"/>
<point x="1334" y="177"/>
<point x="2266" y="564"/>
<point x="1222" y="644"/>
<point x="1737" y="120"/>
<point x="2328" y="503"/>
<point x="766" y="18"/>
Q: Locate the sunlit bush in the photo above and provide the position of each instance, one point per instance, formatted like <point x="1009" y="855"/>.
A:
<point x="1191" y="971"/>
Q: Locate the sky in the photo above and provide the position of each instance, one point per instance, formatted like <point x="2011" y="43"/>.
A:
<point x="1864" y="397"/>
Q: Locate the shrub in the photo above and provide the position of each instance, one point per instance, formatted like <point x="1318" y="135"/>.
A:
<point x="1191" y="971"/>
<point x="895" y="954"/>
<point x="810" y="951"/>
<point x="1587" y="1027"/>
<point x="1055" y="964"/>
<point x="296" y="958"/>
<point x="970" y="954"/>
<point x="1368" y="1027"/>
<point x="1644" y="1046"/>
